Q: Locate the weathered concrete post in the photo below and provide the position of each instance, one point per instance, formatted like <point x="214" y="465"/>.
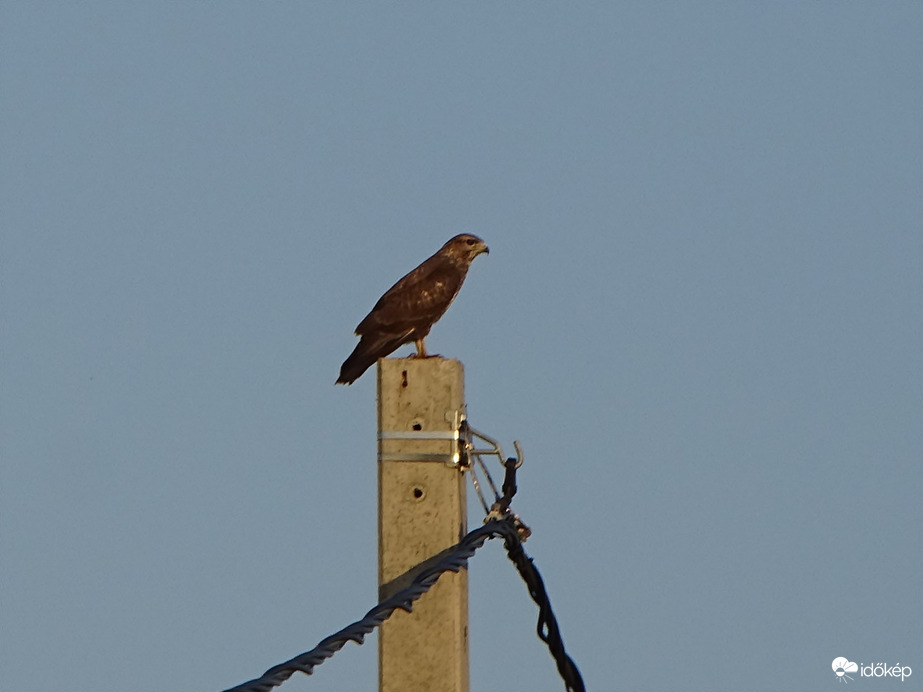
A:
<point x="421" y="511"/>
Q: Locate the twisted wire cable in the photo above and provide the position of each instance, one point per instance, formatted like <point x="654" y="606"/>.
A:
<point x="454" y="561"/>
<point x="513" y="531"/>
<point x="547" y="628"/>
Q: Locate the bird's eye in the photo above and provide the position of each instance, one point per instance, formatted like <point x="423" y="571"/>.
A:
<point x="471" y="241"/>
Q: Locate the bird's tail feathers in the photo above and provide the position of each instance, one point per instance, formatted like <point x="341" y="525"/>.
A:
<point x="367" y="351"/>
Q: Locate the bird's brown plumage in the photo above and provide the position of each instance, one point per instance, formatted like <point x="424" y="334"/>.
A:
<point x="409" y="309"/>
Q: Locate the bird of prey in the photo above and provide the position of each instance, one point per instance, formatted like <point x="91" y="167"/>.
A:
<point x="412" y="306"/>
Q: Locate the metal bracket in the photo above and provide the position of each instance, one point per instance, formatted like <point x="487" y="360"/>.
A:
<point x="452" y="459"/>
<point x="471" y="460"/>
<point x="419" y="435"/>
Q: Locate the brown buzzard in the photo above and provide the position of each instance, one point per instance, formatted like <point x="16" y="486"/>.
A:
<point x="412" y="306"/>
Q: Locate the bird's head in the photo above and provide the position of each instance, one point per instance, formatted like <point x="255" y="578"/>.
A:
<point x="465" y="247"/>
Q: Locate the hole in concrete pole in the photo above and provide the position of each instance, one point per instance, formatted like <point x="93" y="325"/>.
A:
<point x="418" y="493"/>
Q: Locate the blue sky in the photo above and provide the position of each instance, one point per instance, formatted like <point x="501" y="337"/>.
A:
<point x="701" y="315"/>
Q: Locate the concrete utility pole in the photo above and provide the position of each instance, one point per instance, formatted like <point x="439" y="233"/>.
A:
<point x="421" y="511"/>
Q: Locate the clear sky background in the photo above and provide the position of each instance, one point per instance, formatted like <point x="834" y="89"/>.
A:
<point x="701" y="315"/>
